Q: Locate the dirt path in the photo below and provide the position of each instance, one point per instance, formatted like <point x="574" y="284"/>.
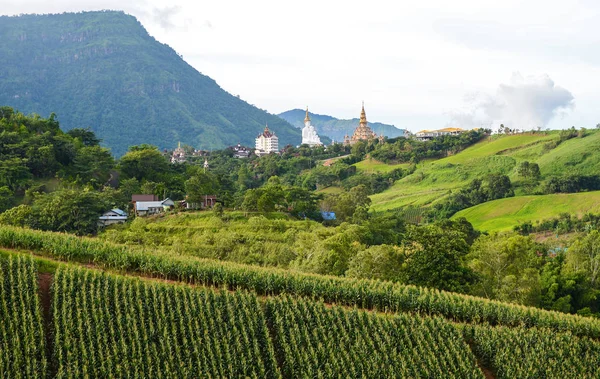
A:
<point x="44" y="285"/>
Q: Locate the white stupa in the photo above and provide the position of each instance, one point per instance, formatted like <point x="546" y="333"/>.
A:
<point x="309" y="134"/>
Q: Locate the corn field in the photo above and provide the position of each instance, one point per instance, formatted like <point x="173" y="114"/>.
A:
<point x="535" y="353"/>
<point x="112" y="326"/>
<point x="107" y="326"/>
<point x="22" y="342"/>
<point x="314" y="342"/>
<point x="368" y="294"/>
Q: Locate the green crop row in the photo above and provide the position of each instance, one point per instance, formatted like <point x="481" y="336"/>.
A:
<point x="535" y="353"/>
<point x="368" y="294"/>
<point x="112" y="327"/>
<point x="22" y="343"/>
<point x="315" y="341"/>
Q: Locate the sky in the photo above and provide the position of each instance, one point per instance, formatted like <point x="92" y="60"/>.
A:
<point x="417" y="65"/>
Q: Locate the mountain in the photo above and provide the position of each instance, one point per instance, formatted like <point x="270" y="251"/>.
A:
<point x="103" y="70"/>
<point x="335" y="128"/>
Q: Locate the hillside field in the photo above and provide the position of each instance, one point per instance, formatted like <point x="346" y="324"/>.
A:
<point x="434" y="180"/>
<point x="503" y="214"/>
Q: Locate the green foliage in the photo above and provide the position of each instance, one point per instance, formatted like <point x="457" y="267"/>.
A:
<point x="66" y="210"/>
<point x="143" y="162"/>
<point x="107" y="326"/>
<point x="345" y="204"/>
<point x="529" y="170"/>
<point x="434" y="258"/>
<point x="22" y="342"/>
<point x="535" y="353"/>
<point x="495" y="186"/>
<point x="507" y="267"/>
<point x="402" y="150"/>
<point x="363" y="293"/>
<point x="570" y="183"/>
<point x="382" y="262"/>
<point x="318" y="342"/>
<point x="104" y="71"/>
<point x="584" y="256"/>
<point x="200" y="185"/>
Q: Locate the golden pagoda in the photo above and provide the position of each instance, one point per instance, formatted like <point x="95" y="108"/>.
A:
<point x="363" y="132"/>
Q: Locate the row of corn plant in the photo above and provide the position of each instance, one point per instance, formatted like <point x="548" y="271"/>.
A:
<point x="535" y="353"/>
<point x="22" y="342"/>
<point x="314" y="341"/>
<point x="369" y="294"/>
<point x="109" y="326"/>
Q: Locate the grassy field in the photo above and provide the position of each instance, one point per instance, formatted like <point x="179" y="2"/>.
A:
<point x="370" y="165"/>
<point x="504" y="214"/>
<point x="434" y="180"/>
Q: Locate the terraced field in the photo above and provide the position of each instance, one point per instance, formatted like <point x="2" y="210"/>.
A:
<point x="109" y="325"/>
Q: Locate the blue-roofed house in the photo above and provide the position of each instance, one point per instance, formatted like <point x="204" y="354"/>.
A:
<point x="114" y="216"/>
<point x="328" y="216"/>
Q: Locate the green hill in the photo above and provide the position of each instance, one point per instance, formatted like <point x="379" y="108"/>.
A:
<point x="102" y="70"/>
<point x="504" y="214"/>
<point x="335" y="128"/>
<point x="434" y="179"/>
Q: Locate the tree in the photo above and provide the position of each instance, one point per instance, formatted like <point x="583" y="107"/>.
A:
<point x="92" y="164"/>
<point x="345" y="204"/>
<point x="498" y="186"/>
<point x="143" y="162"/>
<point x="72" y="210"/>
<point x="507" y="267"/>
<point x="200" y="185"/>
<point x="382" y="262"/>
<point x="85" y="136"/>
<point x="434" y="258"/>
<point x="218" y="210"/>
<point x="584" y="256"/>
<point x="5" y="198"/>
<point x="529" y="170"/>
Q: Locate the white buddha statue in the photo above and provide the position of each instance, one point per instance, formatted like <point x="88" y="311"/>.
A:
<point x="309" y="134"/>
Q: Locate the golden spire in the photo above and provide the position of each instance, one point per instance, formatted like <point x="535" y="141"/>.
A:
<point x="307" y="118"/>
<point x="363" y="115"/>
<point x="179" y="145"/>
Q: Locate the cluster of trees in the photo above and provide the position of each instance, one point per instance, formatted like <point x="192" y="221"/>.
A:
<point x="402" y="150"/>
<point x="516" y="268"/>
<point x="572" y="183"/>
<point x="492" y="187"/>
<point x="564" y="223"/>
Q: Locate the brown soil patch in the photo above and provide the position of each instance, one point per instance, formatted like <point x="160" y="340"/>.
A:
<point x="44" y="285"/>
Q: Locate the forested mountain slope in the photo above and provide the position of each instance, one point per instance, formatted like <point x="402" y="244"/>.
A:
<point x="103" y="70"/>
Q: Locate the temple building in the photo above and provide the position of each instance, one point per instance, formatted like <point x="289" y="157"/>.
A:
<point x="362" y="132"/>
<point x="309" y="134"/>
<point x="266" y="142"/>
<point x="178" y="155"/>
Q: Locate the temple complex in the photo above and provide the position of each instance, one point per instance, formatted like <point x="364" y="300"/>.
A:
<point x="266" y="142"/>
<point x="309" y="134"/>
<point x="178" y="155"/>
<point x="363" y="132"/>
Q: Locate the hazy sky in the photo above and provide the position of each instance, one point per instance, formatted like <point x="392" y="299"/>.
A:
<point x="416" y="64"/>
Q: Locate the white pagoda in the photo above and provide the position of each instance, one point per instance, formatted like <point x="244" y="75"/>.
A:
<point x="309" y="134"/>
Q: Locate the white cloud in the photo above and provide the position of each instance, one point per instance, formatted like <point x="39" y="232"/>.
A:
<point x="524" y="103"/>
